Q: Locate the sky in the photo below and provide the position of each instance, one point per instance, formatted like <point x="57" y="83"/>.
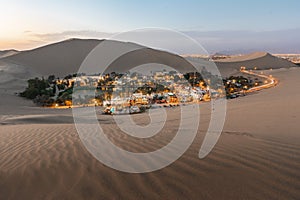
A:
<point x="269" y="25"/>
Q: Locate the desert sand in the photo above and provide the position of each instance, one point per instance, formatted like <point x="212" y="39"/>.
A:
<point x="261" y="60"/>
<point x="256" y="157"/>
<point x="42" y="157"/>
<point x="65" y="57"/>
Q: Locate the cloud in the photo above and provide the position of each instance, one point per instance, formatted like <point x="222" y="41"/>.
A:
<point x="230" y="41"/>
<point x="50" y="37"/>
<point x="278" y="41"/>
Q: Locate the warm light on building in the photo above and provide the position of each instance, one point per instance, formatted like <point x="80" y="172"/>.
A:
<point x="68" y="103"/>
<point x="243" y="68"/>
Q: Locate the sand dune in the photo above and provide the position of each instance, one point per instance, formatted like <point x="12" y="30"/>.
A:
<point x="13" y="77"/>
<point x="65" y="58"/>
<point x="261" y="60"/>
<point x="7" y="53"/>
<point x="60" y="58"/>
<point x="240" y="58"/>
<point x="257" y="156"/>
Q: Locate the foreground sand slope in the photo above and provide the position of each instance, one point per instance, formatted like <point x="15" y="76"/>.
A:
<point x="257" y="156"/>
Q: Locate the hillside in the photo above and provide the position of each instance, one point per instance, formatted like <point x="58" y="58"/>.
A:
<point x="60" y="58"/>
<point x="66" y="57"/>
<point x="261" y="60"/>
<point x="7" y="53"/>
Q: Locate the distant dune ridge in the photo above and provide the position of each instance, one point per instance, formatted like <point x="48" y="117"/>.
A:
<point x="246" y="57"/>
<point x="7" y="53"/>
<point x="261" y="60"/>
<point x="65" y="58"/>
